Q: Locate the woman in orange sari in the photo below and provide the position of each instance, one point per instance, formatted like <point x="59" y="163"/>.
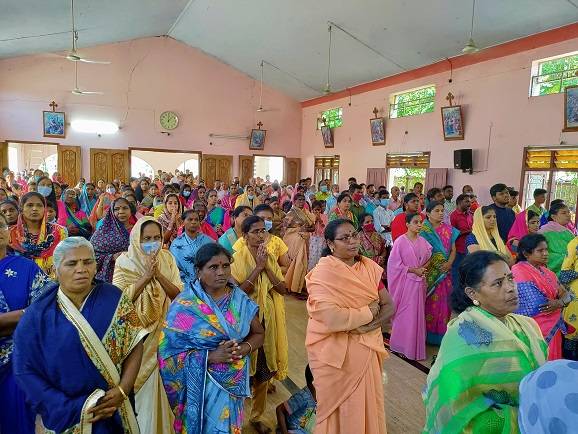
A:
<point x="348" y="306"/>
<point x="298" y="224"/>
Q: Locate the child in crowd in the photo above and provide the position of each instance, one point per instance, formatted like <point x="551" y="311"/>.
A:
<point x="297" y="415"/>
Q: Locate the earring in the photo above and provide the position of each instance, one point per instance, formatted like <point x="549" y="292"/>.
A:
<point x="476" y="303"/>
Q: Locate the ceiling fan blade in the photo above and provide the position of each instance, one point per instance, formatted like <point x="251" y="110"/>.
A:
<point x="99" y="62"/>
<point x="77" y="91"/>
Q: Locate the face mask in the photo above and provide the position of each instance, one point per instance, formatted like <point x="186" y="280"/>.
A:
<point x="357" y="197"/>
<point x="52" y="221"/>
<point x="368" y="227"/>
<point x="384" y="202"/>
<point x="251" y="196"/>
<point x="323" y="189"/>
<point x="268" y="225"/>
<point x="44" y="190"/>
<point x="335" y="194"/>
<point x="37" y="178"/>
<point x="110" y="190"/>
<point x="151" y="247"/>
<point x="186" y="193"/>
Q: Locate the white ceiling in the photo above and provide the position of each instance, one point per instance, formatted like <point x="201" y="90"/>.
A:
<point x="291" y="34"/>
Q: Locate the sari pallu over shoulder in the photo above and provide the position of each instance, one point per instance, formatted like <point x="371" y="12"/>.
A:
<point x="195" y="325"/>
<point x="474" y="382"/>
<point x="439" y="255"/>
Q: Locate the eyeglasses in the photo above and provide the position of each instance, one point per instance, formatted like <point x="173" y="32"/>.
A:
<point x="346" y="238"/>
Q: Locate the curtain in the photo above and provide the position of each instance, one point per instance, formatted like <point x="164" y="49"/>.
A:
<point x="435" y="178"/>
<point x="376" y="176"/>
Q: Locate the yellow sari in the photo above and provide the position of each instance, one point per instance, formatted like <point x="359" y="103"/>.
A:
<point x="153" y="411"/>
<point x="271" y="309"/>
<point x="484" y="240"/>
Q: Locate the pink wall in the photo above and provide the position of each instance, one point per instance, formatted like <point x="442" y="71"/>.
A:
<point x="147" y="76"/>
<point x="497" y="112"/>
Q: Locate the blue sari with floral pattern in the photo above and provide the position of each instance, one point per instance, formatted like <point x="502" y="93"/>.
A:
<point x="21" y="282"/>
<point x="205" y="397"/>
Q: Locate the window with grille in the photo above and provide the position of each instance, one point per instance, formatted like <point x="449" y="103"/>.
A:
<point x="333" y="118"/>
<point x="414" y="159"/>
<point x="413" y="102"/>
<point x="327" y="168"/>
<point x="554" y="75"/>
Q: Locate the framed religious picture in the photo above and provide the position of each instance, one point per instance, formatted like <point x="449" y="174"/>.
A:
<point x="377" y="131"/>
<point x="571" y="108"/>
<point x="453" y="122"/>
<point x="327" y="135"/>
<point x="257" y="141"/>
<point x="54" y="124"/>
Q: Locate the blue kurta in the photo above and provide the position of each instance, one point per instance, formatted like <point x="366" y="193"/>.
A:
<point x="52" y="366"/>
<point x="21" y="282"/>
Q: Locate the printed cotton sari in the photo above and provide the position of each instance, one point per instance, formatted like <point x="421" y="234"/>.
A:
<point x="473" y="385"/>
<point x="439" y="283"/>
<point x="205" y="397"/>
<point x="87" y="203"/>
<point x="39" y="247"/>
<point x="569" y="277"/>
<point x="535" y="288"/>
<point x="65" y="359"/>
<point x="218" y="216"/>
<point x="297" y="241"/>
<point x="21" y="283"/>
<point x="77" y="219"/>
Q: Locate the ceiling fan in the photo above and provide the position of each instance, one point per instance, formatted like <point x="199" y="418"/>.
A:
<point x="73" y="54"/>
<point x="261" y="109"/>
<point x="76" y="90"/>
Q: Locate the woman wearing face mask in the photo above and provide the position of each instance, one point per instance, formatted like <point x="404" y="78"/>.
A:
<point x="442" y="237"/>
<point x="9" y="209"/>
<point x="323" y="193"/>
<point x="297" y="225"/>
<point x="170" y="219"/>
<point x="46" y="189"/>
<point x="111" y="238"/>
<point x="103" y="204"/>
<point x="275" y="245"/>
<point x="186" y="245"/>
<point x="557" y="235"/>
<point x="230" y="237"/>
<point x="216" y="216"/>
<point x="248" y="198"/>
<point x="150" y="277"/>
<point x="317" y="239"/>
<point x="185" y="196"/>
<point x="33" y="236"/>
<point x="372" y="245"/>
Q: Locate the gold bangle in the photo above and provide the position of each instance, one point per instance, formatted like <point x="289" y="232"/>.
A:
<point x="122" y="392"/>
<point x="250" y="346"/>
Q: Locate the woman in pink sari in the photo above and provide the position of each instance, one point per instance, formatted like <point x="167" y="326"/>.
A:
<point x="406" y="269"/>
<point x="527" y="222"/>
<point x="541" y="296"/>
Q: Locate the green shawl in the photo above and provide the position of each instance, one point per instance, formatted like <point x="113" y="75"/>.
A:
<point x="557" y="246"/>
<point x="473" y="385"/>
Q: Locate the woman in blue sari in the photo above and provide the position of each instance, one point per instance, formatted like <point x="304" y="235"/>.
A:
<point x="77" y="349"/>
<point x="185" y="246"/>
<point x="88" y="198"/>
<point x="21" y="282"/>
<point x="211" y="329"/>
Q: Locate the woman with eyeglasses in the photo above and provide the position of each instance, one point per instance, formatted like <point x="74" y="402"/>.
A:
<point x="258" y="274"/>
<point x="348" y="306"/>
<point x="21" y="282"/>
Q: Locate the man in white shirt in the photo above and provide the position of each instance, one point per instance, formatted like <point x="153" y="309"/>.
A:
<point x="382" y="218"/>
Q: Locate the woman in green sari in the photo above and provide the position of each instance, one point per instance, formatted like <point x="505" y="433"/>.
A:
<point x="557" y="235"/>
<point x="487" y="350"/>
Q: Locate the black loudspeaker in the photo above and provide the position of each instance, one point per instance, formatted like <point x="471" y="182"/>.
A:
<point x="463" y="160"/>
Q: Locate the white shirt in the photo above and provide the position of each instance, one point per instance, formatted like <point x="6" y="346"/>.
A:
<point x="383" y="217"/>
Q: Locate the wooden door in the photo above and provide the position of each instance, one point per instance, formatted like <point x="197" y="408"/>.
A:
<point x="119" y="165"/>
<point x="69" y="164"/>
<point x="215" y="167"/>
<point x="3" y="156"/>
<point x="292" y="170"/>
<point x="246" y="169"/>
<point x="109" y="164"/>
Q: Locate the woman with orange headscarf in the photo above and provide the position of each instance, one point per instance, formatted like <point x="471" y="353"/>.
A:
<point x="347" y="306"/>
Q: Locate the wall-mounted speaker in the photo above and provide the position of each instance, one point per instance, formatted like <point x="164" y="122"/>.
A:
<point x="463" y="160"/>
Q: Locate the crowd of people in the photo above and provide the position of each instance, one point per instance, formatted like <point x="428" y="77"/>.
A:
<point x="158" y="305"/>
